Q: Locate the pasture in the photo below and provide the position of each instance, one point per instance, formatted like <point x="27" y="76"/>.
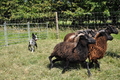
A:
<point x="17" y="63"/>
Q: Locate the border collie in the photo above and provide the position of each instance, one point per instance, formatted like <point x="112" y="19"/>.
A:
<point x="32" y="43"/>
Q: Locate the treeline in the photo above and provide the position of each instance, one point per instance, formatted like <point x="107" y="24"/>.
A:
<point x="76" y="11"/>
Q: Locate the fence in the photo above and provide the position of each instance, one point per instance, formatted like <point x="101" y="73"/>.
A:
<point x="82" y="20"/>
<point x="12" y="33"/>
<point x="21" y="29"/>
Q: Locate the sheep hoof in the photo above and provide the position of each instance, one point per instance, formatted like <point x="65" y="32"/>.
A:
<point x="63" y="71"/>
<point x="89" y="74"/>
<point x="51" y="66"/>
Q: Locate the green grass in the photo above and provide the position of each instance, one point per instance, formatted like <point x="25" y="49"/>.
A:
<point x="17" y="63"/>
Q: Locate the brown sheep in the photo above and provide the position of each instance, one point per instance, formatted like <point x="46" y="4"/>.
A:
<point x="63" y="51"/>
<point x="101" y="49"/>
<point x="97" y="50"/>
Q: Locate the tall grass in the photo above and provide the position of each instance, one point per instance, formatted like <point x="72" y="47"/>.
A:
<point x="17" y="63"/>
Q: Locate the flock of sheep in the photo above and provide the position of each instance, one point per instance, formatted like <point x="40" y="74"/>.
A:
<point x="83" y="44"/>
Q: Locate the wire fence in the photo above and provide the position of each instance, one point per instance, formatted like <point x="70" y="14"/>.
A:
<point x="19" y="29"/>
<point x="79" y="20"/>
<point x="92" y="20"/>
<point x="13" y="33"/>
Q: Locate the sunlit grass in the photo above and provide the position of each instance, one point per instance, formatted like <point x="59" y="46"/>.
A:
<point x="17" y="63"/>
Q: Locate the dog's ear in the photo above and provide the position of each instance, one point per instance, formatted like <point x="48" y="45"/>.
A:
<point x="33" y="34"/>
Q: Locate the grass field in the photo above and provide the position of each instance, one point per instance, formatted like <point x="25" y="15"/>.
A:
<point x="17" y="63"/>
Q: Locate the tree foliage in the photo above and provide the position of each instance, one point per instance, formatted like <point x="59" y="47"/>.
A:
<point x="18" y="9"/>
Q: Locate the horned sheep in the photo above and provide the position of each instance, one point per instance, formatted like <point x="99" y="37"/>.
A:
<point x="63" y="51"/>
<point x="97" y="51"/>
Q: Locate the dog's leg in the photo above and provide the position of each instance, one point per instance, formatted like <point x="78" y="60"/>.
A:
<point x="32" y="49"/>
<point x="36" y="44"/>
<point x="29" y="47"/>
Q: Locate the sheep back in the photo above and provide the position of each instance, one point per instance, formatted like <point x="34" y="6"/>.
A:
<point x="69" y="37"/>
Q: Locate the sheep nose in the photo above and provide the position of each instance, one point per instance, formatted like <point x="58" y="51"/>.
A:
<point x="116" y="32"/>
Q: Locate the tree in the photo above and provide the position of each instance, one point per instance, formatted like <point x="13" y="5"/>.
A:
<point x="114" y="9"/>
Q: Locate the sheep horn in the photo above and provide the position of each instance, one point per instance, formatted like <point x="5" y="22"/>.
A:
<point x="77" y="37"/>
<point x="101" y="31"/>
<point x="80" y="34"/>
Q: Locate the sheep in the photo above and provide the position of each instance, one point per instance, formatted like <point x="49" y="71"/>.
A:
<point x="70" y="36"/>
<point x="63" y="51"/>
<point x="97" y="50"/>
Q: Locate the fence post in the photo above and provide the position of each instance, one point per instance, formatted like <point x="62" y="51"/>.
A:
<point x="5" y="34"/>
<point x="57" y="28"/>
<point x="28" y="27"/>
<point x="47" y="29"/>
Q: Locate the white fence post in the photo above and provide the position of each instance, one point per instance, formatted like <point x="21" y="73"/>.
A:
<point x="28" y="27"/>
<point x="5" y="34"/>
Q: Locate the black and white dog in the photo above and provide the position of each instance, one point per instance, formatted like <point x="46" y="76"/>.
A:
<point x="32" y="43"/>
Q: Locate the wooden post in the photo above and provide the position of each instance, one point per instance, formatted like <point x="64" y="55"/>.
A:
<point x="57" y="28"/>
<point x="28" y="27"/>
<point x="5" y="34"/>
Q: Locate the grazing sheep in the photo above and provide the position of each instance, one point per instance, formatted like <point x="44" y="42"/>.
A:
<point x="97" y="50"/>
<point x="64" y="51"/>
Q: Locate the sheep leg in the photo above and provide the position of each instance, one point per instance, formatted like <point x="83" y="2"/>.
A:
<point x="97" y="65"/>
<point x="88" y="69"/>
<point x="91" y="64"/>
<point x="65" y="67"/>
<point x="51" y="62"/>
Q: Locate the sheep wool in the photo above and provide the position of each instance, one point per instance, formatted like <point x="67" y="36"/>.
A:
<point x="97" y="50"/>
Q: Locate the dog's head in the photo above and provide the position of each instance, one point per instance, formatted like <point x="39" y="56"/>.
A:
<point x="34" y="36"/>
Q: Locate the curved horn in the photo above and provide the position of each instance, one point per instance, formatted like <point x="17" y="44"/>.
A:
<point x="101" y="31"/>
<point x="77" y="37"/>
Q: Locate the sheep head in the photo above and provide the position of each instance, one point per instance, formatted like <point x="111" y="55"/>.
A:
<point x="104" y="33"/>
<point x="84" y="38"/>
<point x="111" y="29"/>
